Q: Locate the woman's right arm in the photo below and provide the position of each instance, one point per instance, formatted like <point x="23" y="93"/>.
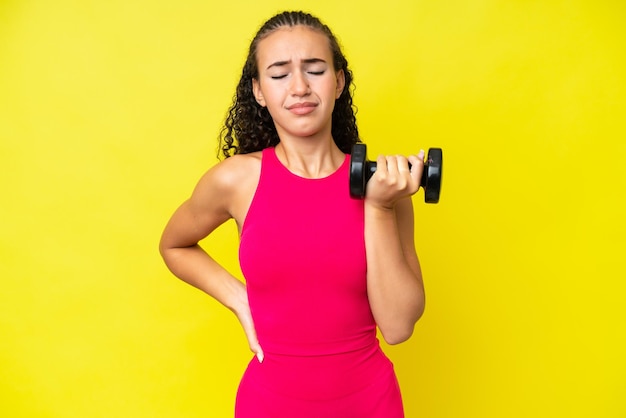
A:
<point x="210" y="205"/>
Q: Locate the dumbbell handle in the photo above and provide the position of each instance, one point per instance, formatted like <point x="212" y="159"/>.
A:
<point x="371" y="166"/>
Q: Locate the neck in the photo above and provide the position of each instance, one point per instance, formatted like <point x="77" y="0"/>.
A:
<point x="310" y="159"/>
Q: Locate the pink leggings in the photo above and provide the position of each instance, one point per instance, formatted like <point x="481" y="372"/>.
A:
<point x="359" y="384"/>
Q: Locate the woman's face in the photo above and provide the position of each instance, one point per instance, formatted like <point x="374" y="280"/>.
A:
<point x="297" y="82"/>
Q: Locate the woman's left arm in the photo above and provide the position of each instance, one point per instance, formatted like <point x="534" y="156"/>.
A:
<point x="394" y="278"/>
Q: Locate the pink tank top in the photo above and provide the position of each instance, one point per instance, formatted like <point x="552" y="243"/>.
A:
<point x="302" y="253"/>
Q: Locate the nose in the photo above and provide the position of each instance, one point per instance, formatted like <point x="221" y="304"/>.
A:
<point x="299" y="84"/>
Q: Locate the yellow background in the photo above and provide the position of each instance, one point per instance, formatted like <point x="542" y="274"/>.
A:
<point x="109" y="113"/>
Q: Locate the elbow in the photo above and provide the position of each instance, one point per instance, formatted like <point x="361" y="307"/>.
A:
<point x="399" y="333"/>
<point x="167" y="252"/>
<point x="397" y="336"/>
<point x="167" y="246"/>
<point x="163" y="250"/>
<point x="165" y="256"/>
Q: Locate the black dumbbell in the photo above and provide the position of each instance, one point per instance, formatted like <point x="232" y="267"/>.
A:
<point x="361" y="170"/>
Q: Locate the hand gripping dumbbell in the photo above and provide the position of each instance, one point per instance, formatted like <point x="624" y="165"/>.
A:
<point x="361" y="170"/>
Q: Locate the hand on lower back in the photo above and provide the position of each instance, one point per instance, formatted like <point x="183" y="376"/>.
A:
<point x="245" y="318"/>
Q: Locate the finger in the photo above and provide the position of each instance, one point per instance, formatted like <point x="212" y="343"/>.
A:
<point x="255" y="347"/>
<point x="392" y="165"/>
<point x="251" y="336"/>
<point x="381" y="165"/>
<point x="417" y="164"/>
<point x="402" y="163"/>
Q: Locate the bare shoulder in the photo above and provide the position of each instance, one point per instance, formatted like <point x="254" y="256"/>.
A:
<point x="232" y="170"/>
<point x="229" y="185"/>
<point x="224" y="192"/>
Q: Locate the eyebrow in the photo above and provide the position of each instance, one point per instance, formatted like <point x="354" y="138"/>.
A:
<point x="306" y="61"/>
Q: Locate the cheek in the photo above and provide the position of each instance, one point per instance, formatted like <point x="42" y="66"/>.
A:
<point x="332" y="92"/>
<point x="273" y="101"/>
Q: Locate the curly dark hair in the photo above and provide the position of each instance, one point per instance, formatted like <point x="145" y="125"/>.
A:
<point x="249" y="127"/>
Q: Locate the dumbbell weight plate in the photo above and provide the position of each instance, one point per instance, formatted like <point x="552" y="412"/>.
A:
<point x="433" y="170"/>
<point x="358" y="177"/>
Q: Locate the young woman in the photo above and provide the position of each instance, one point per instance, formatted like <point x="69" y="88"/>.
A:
<point x="322" y="270"/>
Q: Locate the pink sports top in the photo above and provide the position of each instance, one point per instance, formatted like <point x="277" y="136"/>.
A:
<point x="302" y="252"/>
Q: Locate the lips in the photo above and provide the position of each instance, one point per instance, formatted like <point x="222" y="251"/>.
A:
<point x="302" y="108"/>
